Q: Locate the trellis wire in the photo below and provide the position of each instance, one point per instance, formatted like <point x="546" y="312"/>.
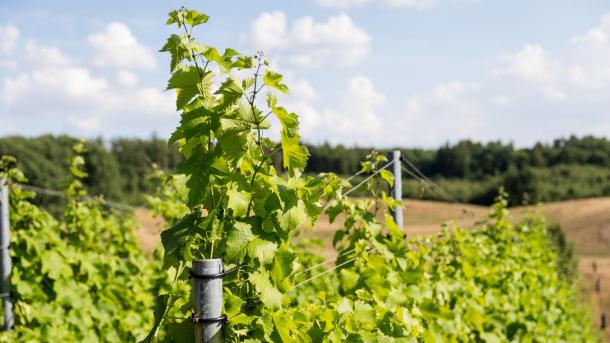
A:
<point x="327" y="271"/>
<point x="60" y="194"/>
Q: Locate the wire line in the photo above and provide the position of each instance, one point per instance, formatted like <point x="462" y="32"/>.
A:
<point x="325" y="262"/>
<point x="359" y="184"/>
<point x="328" y="271"/>
<point x="445" y="194"/>
<point x="60" y="194"/>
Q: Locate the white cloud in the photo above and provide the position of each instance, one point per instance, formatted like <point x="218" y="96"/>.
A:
<point x="352" y="119"/>
<point x="530" y="94"/>
<point x="9" y="35"/>
<point x="117" y="47"/>
<point x="67" y="96"/>
<point x="597" y="35"/>
<point x="449" y="111"/>
<point x="357" y="115"/>
<point x="53" y="86"/>
<point x="86" y="124"/>
<point x="40" y="55"/>
<point x="530" y="62"/>
<point x="307" y="43"/>
<point x="127" y="78"/>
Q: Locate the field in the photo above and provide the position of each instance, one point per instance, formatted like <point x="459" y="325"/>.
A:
<point x="586" y="224"/>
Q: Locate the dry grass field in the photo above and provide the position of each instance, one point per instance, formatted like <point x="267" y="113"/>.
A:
<point x="586" y="224"/>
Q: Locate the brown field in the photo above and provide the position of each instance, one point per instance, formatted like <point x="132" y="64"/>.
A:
<point x="586" y="224"/>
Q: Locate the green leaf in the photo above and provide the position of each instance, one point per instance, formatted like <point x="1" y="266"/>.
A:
<point x="274" y="80"/>
<point x="54" y="265"/>
<point x="241" y="242"/>
<point x="270" y="296"/>
<point x="387" y="176"/>
<point x="238" y="240"/>
<point x="271" y="100"/>
<point x="262" y="250"/>
<point x="201" y="167"/>
<point x="177" y="240"/>
<point x="363" y="312"/>
<point x="184" y="96"/>
<point x="289" y="121"/>
<point x="238" y="201"/>
<point x="194" y="18"/>
<point x="185" y="77"/>
<point x="284" y="324"/>
<point x="191" y="17"/>
<point x="294" y="155"/>
<point x="282" y="268"/>
<point x="231" y="91"/>
<point x="232" y="304"/>
<point x="176" y="46"/>
<point x="293" y="217"/>
<point x="395" y="232"/>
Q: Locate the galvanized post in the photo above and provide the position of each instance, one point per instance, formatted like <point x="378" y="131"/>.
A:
<point x="398" y="189"/>
<point x="5" y="286"/>
<point x="207" y="300"/>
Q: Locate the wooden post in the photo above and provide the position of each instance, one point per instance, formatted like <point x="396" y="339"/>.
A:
<point x="6" y="265"/>
<point x="398" y="189"/>
<point x="207" y="300"/>
<point x="598" y="285"/>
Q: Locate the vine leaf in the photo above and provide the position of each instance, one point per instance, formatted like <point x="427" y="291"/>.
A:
<point x="201" y="167"/>
<point x="176" y="47"/>
<point x="241" y="242"/>
<point x="270" y="296"/>
<point x="294" y="155"/>
<point x="178" y="239"/>
<point x="238" y="201"/>
<point x="282" y="268"/>
<point x="274" y="80"/>
<point x="293" y="216"/>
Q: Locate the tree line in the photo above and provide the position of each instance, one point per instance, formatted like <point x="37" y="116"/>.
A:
<point x="567" y="168"/>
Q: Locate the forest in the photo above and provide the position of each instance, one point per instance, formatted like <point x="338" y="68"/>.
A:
<point x="122" y="169"/>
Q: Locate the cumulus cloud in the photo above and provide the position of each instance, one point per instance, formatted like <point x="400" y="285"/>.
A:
<point x="352" y="119"/>
<point x="530" y="94"/>
<point x="67" y="95"/>
<point x="117" y="47"/>
<point x="127" y="78"/>
<point x="337" y="41"/>
<point x="45" y="56"/>
<point x="9" y="35"/>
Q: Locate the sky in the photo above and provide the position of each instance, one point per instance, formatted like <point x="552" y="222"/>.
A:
<point x="418" y="73"/>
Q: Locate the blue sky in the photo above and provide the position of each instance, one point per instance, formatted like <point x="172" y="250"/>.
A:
<point x="362" y="72"/>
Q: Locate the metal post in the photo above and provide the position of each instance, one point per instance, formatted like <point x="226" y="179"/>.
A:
<point x="398" y="189"/>
<point x="207" y="300"/>
<point x="5" y="255"/>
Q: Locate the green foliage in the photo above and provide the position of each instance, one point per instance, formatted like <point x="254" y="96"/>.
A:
<point x="80" y="279"/>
